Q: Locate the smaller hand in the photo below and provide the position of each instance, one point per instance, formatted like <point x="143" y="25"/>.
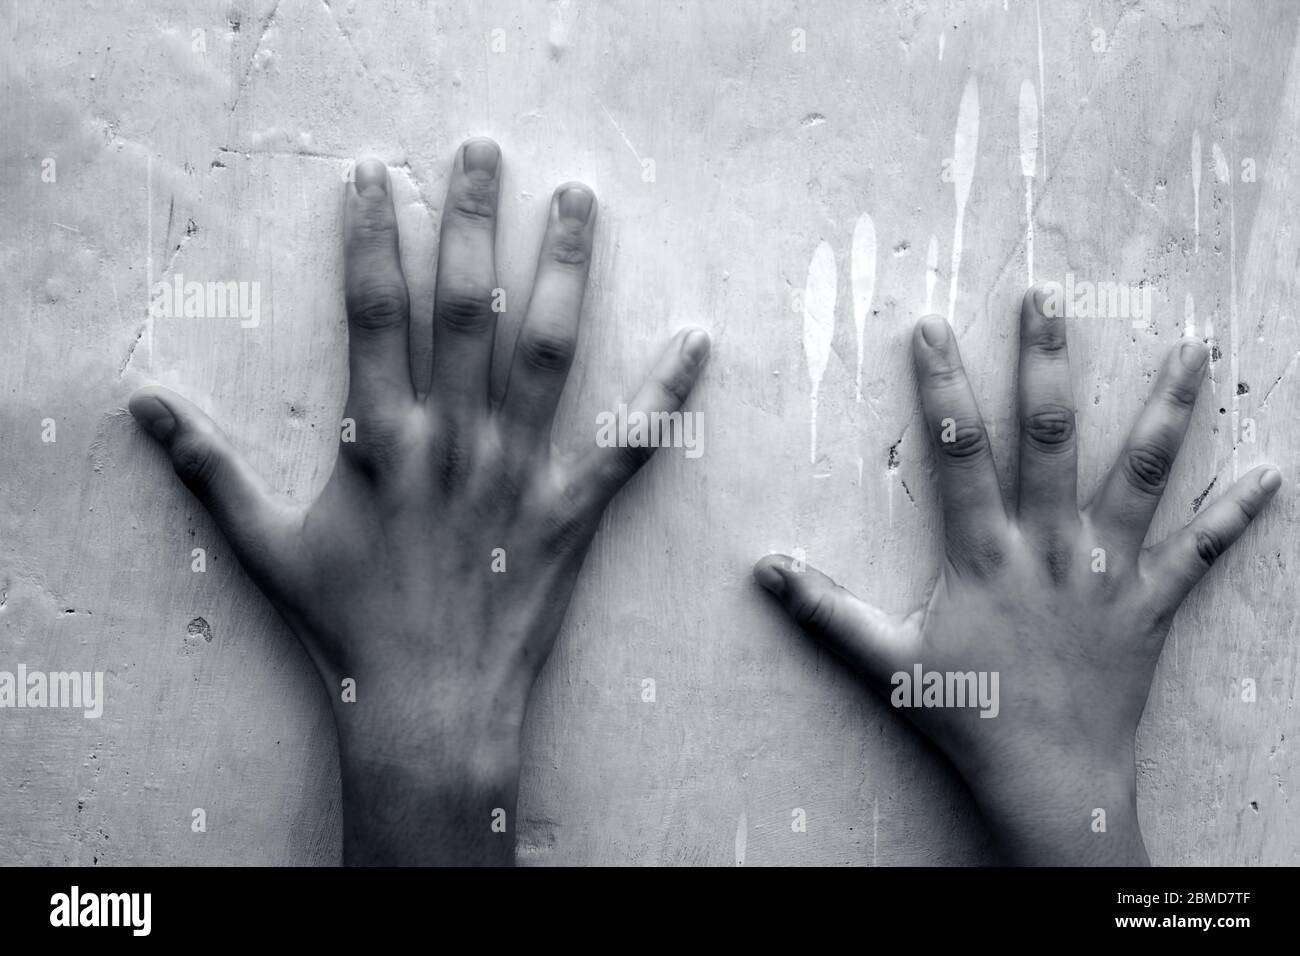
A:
<point x="1063" y="604"/>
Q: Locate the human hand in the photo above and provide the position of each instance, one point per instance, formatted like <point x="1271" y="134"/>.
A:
<point x="1062" y="603"/>
<point x="436" y="565"/>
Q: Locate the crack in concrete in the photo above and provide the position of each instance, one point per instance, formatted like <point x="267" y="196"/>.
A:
<point x="121" y="369"/>
<point x="252" y="60"/>
<point x="405" y="166"/>
<point x="1236" y="444"/>
<point x="299" y="153"/>
<point x="1290" y="367"/>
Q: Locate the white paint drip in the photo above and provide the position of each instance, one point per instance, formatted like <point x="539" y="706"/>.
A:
<point x="1234" y="371"/>
<point x="875" y="829"/>
<point x="1028" y="165"/>
<point x="818" y="324"/>
<point x="965" y="142"/>
<point x="148" y="292"/>
<point x="942" y="37"/>
<point x="863" y="274"/>
<point x="1196" y="186"/>
<point x="1042" y="84"/>
<point x="742" y="837"/>
<point x="931" y="273"/>
<point x="558" y="34"/>
<point x="1189" y="316"/>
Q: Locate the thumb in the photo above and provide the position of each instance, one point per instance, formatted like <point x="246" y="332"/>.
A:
<point x="866" y="637"/>
<point x="254" y="521"/>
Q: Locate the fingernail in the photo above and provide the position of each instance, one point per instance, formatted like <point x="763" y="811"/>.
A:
<point x="695" y="347"/>
<point x="370" y="178"/>
<point x="934" y="330"/>
<point x="1193" y="355"/>
<point x="575" y="203"/>
<point x="770" y="578"/>
<point x="154" y="416"/>
<point x="1270" y="480"/>
<point x="482" y="156"/>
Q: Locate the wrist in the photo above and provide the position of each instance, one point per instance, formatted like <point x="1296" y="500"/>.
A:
<point x="1077" y="813"/>
<point x="445" y="795"/>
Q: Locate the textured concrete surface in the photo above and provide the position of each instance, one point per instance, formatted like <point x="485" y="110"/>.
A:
<point x="771" y="128"/>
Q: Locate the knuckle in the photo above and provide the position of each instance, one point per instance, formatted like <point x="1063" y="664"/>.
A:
<point x="1146" y="468"/>
<point x="946" y="376"/>
<point x="465" y="307"/>
<point x="1050" y="427"/>
<point x="476" y="203"/>
<point x="678" y="384"/>
<point x="1180" y="393"/>
<point x="817" y="611"/>
<point x="377" y="302"/>
<point x="1047" y="337"/>
<point x="373" y="226"/>
<point x="1209" y="546"/>
<point x="549" y="350"/>
<point x="969" y="442"/>
<point x="195" y="461"/>
<point x="569" y="246"/>
<point x="1246" y="510"/>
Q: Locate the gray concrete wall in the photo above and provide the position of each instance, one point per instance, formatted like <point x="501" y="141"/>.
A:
<point x="224" y="163"/>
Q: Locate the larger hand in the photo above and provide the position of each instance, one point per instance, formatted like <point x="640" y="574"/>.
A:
<point x="434" y="569"/>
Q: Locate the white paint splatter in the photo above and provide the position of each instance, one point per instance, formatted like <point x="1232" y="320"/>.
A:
<point x="1196" y="186"/>
<point x="1028" y="165"/>
<point x="931" y="273"/>
<point x="965" y="143"/>
<point x="1220" y="163"/>
<point x="863" y="273"/>
<point x="742" y="837"/>
<point x="818" y="324"/>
